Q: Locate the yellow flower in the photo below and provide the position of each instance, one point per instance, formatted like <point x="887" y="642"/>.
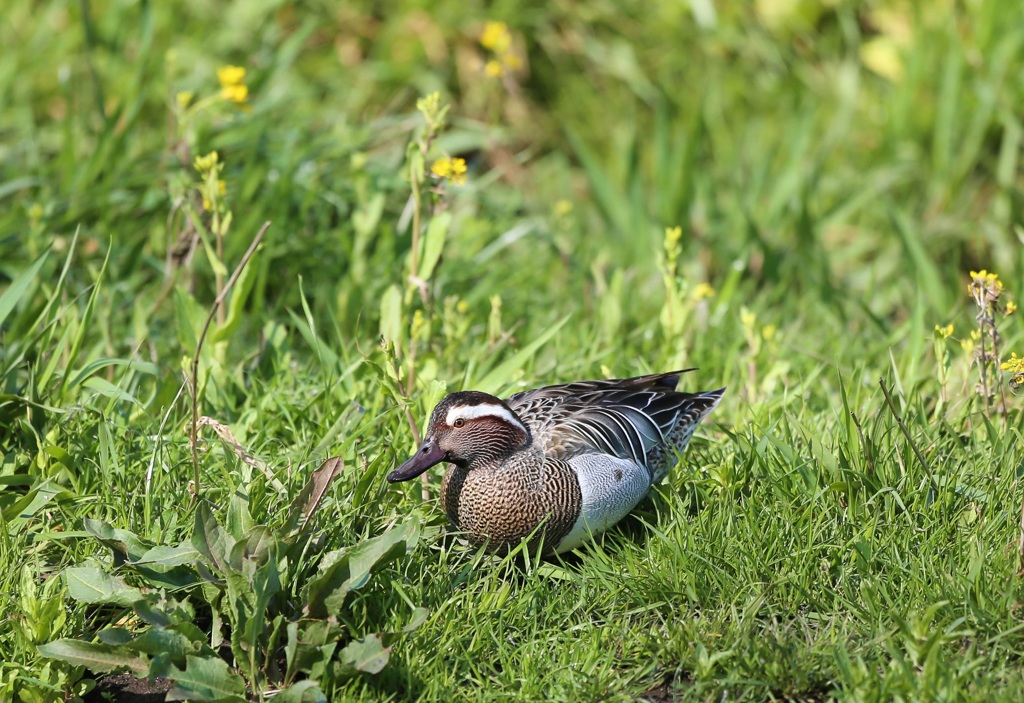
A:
<point x="672" y="236"/>
<point x="222" y="187"/>
<point x="235" y="93"/>
<point x="1014" y="364"/>
<point x="207" y="162"/>
<point x="944" y="332"/>
<point x="1011" y="307"/>
<point x="967" y="345"/>
<point x="429" y="106"/>
<point x="232" y="87"/>
<point x="458" y="171"/>
<point x="230" y="75"/>
<point x="453" y="170"/>
<point x="985" y="279"/>
<point x="563" y="207"/>
<point x="184" y="98"/>
<point x="768" y="332"/>
<point x="496" y="37"/>
<point x="442" y="168"/>
<point x="701" y="291"/>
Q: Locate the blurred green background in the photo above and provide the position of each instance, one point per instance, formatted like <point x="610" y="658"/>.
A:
<point x="837" y="145"/>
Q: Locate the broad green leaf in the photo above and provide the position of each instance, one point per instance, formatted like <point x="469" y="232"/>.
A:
<point x="311" y="651"/>
<point x="189" y="319"/>
<point x="237" y="519"/>
<point x="433" y="243"/>
<point x="88" y="584"/>
<point x="211" y="254"/>
<point x="419" y="616"/>
<point x="24" y="509"/>
<point x="368" y="655"/>
<point x="236" y="302"/>
<point x="123" y="542"/>
<point x="391" y="314"/>
<point x="302" y="692"/>
<point x="205" y="679"/>
<point x="152" y="614"/>
<point x="210" y="539"/>
<point x="266" y="583"/>
<point x="98" y="658"/>
<point x="159" y="641"/>
<point x="348" y="569"/>
<point x="261" y="544"/>
<point x="114" y="636"/>
<point x="169" y="557"/>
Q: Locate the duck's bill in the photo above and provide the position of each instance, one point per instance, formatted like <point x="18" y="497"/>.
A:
<point x="428" y="455"/>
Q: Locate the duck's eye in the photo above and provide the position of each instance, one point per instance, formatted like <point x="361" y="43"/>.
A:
<point x="459" y="422"/>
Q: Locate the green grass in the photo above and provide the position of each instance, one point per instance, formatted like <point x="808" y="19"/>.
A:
<point x="806" y="548"/>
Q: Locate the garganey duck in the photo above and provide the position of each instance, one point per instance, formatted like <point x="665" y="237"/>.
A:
<point x="575" y="458"/>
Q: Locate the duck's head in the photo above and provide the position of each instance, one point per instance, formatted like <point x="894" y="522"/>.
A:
<point x="467" y="429"/>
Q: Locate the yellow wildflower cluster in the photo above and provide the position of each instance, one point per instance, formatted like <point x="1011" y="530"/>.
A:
<point x="209" y="167"/>
<point x="986" y="290"/>
<point x="945" y="331"/>
<point x="453" y="170"/>
<point x="433" y="111"/>
<point x="1015" y="365"/>
<point x="985" y="287"/>
<point x="207" y="163"/>
<point x="232" y="84"/>
<point x="969" y="344"/>
<point x="497" y="39"/>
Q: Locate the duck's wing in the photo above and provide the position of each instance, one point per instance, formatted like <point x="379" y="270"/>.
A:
<point x="657" y="381"/>
<point x="642" y="419"/>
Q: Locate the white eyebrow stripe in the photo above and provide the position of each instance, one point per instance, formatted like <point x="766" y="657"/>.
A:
<point x="472" y="412"/>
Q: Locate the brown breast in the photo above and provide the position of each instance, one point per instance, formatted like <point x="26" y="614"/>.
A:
<point x="502" y="506"/>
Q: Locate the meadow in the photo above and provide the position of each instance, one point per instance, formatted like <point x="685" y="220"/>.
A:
<point x="245" y="247"/>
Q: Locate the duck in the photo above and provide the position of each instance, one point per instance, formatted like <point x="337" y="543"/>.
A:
<point x="556" y="465"/>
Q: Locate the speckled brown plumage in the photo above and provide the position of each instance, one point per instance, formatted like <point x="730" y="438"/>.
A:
<point x="555" y="464"/>
<point x="495" y="506"/>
